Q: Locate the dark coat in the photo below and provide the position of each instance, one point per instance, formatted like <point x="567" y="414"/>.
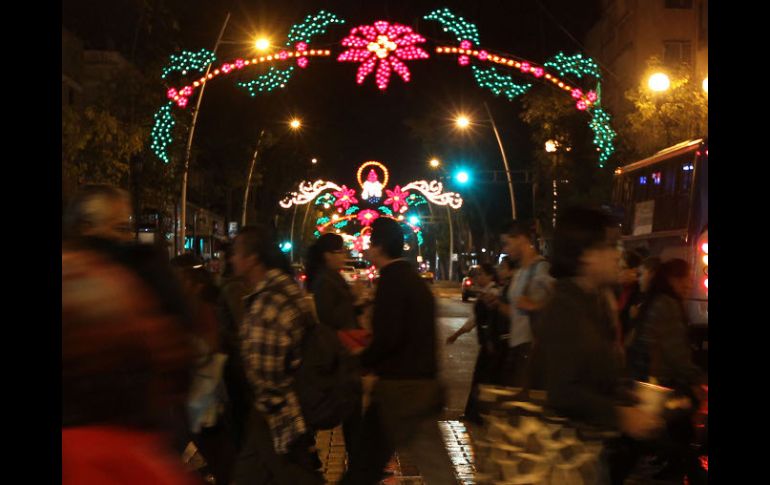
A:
<point x="334" y="301"/>
<point x="576" y="336"/>
<point x="661" y="348"/>
<point x="403" y="326"/>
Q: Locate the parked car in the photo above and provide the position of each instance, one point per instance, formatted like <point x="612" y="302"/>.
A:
<point x="469" y="287"/>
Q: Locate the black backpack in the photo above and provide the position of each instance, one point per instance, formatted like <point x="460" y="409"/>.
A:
<point x="328" y="381"/>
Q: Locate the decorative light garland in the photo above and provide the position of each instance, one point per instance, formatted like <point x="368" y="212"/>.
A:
<point x="462" y="29"/>
<point x="498" y="83"/>
<point x="433" y="191"/>
<point x="576" y="65"/>
<point x="274" y="78"/>
<point x="308" y="191"/>
<point x="382" y="45"/>
<point x="161" y="132"/>
<point x="603" y="134"/>
<point x="312" y="25"/>
<point x="188" y="61"/>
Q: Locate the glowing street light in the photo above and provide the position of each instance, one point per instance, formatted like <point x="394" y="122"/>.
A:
<point x="659" y="82"/>
<point x="262" y="44"/>
<point x="462" y="177"/>
<point x="314" y="161"/>
<point x="435" y="162"/>
<point x="462" y="122"/>
<point x="295" y="124"/>
<point x="551" y="146"/>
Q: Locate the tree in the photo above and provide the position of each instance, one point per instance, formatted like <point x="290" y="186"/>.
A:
<point x="660" y="120"/>
<point x="552" y="116"/>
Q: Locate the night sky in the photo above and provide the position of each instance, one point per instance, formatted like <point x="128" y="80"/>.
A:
<point x="345" y="124"/>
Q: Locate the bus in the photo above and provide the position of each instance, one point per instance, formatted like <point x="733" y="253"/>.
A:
<point x="663" y="200"/>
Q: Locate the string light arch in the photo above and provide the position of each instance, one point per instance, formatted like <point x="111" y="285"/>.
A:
<point x="384" y="48"/>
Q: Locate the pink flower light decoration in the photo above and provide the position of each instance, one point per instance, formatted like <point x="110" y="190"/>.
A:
<point x="592" y="96"/>
<point x="367" y="216"/>
<point x="345" y="197"/>
<point x="396" y="198"/>
<point x="171" y="93"/>
<point x="577" y="93"/>
<point x="382" y="45"/>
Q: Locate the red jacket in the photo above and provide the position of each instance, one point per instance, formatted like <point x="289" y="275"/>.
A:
<point x="114" y="455"/>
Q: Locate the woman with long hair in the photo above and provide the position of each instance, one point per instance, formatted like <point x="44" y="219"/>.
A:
<point x="661" y="350"/>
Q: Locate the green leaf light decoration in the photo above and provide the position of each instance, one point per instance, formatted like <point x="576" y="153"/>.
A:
<point x="603" y="134"/>
<point x="161" y="132"/>
<point x="462" y="29"/>
<point x="189" y="62"/>
<point x="576" y="65"/>
<point x="351" y="210"/>
<point x="490" y="78"/>
<point x="385" y="210"/>
<point x="312" y="25"/>
<point x="265" y="83"/>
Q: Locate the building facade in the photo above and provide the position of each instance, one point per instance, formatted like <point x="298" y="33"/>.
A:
<point x="630" y="32"/>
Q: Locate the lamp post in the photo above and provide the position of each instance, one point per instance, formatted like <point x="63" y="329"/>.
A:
<point x="463" y="122"/>
<point x="436" y="163"/>
<point x="295" y="125"/>
<point x="188" y="149"/>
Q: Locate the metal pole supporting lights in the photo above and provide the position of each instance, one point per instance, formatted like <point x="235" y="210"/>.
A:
<point x="436" y="163"/>
<point x="463" y="122"/>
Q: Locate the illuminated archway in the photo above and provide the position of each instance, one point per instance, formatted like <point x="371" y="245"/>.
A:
<point x="376" y="200"/>
<point x="385" y="48"/>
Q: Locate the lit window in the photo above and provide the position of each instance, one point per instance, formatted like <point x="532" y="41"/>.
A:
<point x="656" y="178"/>
<point x="643" y="180"/>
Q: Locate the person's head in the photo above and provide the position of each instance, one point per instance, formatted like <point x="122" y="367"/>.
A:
<point x="505" y="269"/>
<point x="516" y="239"/>
<point x="629" y="267"/>
<point x="582" y="247"/>
<point x="327" y="252"/>
<point x="486" y="274"/>
<point x="673" y="278"/>
<point x="101" y="211"/>
<point x="386" y="242"/>
<point x="647" y="271"/>
<point x="256" y="251"/>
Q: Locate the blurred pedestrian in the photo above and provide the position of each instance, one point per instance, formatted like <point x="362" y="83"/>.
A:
<point x="647" y="271"/>
<point x="408" y="398"/>
<point x="336" y="307"/>
<point x="629" y="293"/>
<point x="207" y="404"/>
<point x="484" y="320"/>
<point x="526" y="296"/>
<point x="230" y="311"/>
<point x="576" y="329"/>
<point x="125" y="363"/>
<point x="278" y="446"/>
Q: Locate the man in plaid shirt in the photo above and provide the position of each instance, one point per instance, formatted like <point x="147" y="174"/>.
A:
<point x="277" y="443"/>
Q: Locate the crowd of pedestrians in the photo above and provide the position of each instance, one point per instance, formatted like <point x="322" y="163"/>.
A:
<point x="234" y="359"/>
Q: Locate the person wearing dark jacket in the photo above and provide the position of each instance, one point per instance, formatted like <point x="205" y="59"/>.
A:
<point x="335" y="305"/>
<point x="334" y="300"/>
<point x="408" y="398"/>
<point x="577" y="331"/>
<point x="485" y="320"/>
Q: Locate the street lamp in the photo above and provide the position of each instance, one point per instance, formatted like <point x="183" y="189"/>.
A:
<point x="295" y="124"/>
<point x="262" y="44"/>
<point x="314" y="161"/>
<point x="462" y="177"/>
<point x="436" y="163"/>
<point x="659" y="82"/>
<point x="463" y="122"/>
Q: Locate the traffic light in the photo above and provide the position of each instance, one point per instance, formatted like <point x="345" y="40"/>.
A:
<point x="286" y="247"/>
<point x="462" y="177"/>
<point x="414" y="220"/>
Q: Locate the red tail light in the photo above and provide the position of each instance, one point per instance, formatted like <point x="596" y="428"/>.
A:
<point x="303" y="277"/>
<point x="468" y="282"/>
